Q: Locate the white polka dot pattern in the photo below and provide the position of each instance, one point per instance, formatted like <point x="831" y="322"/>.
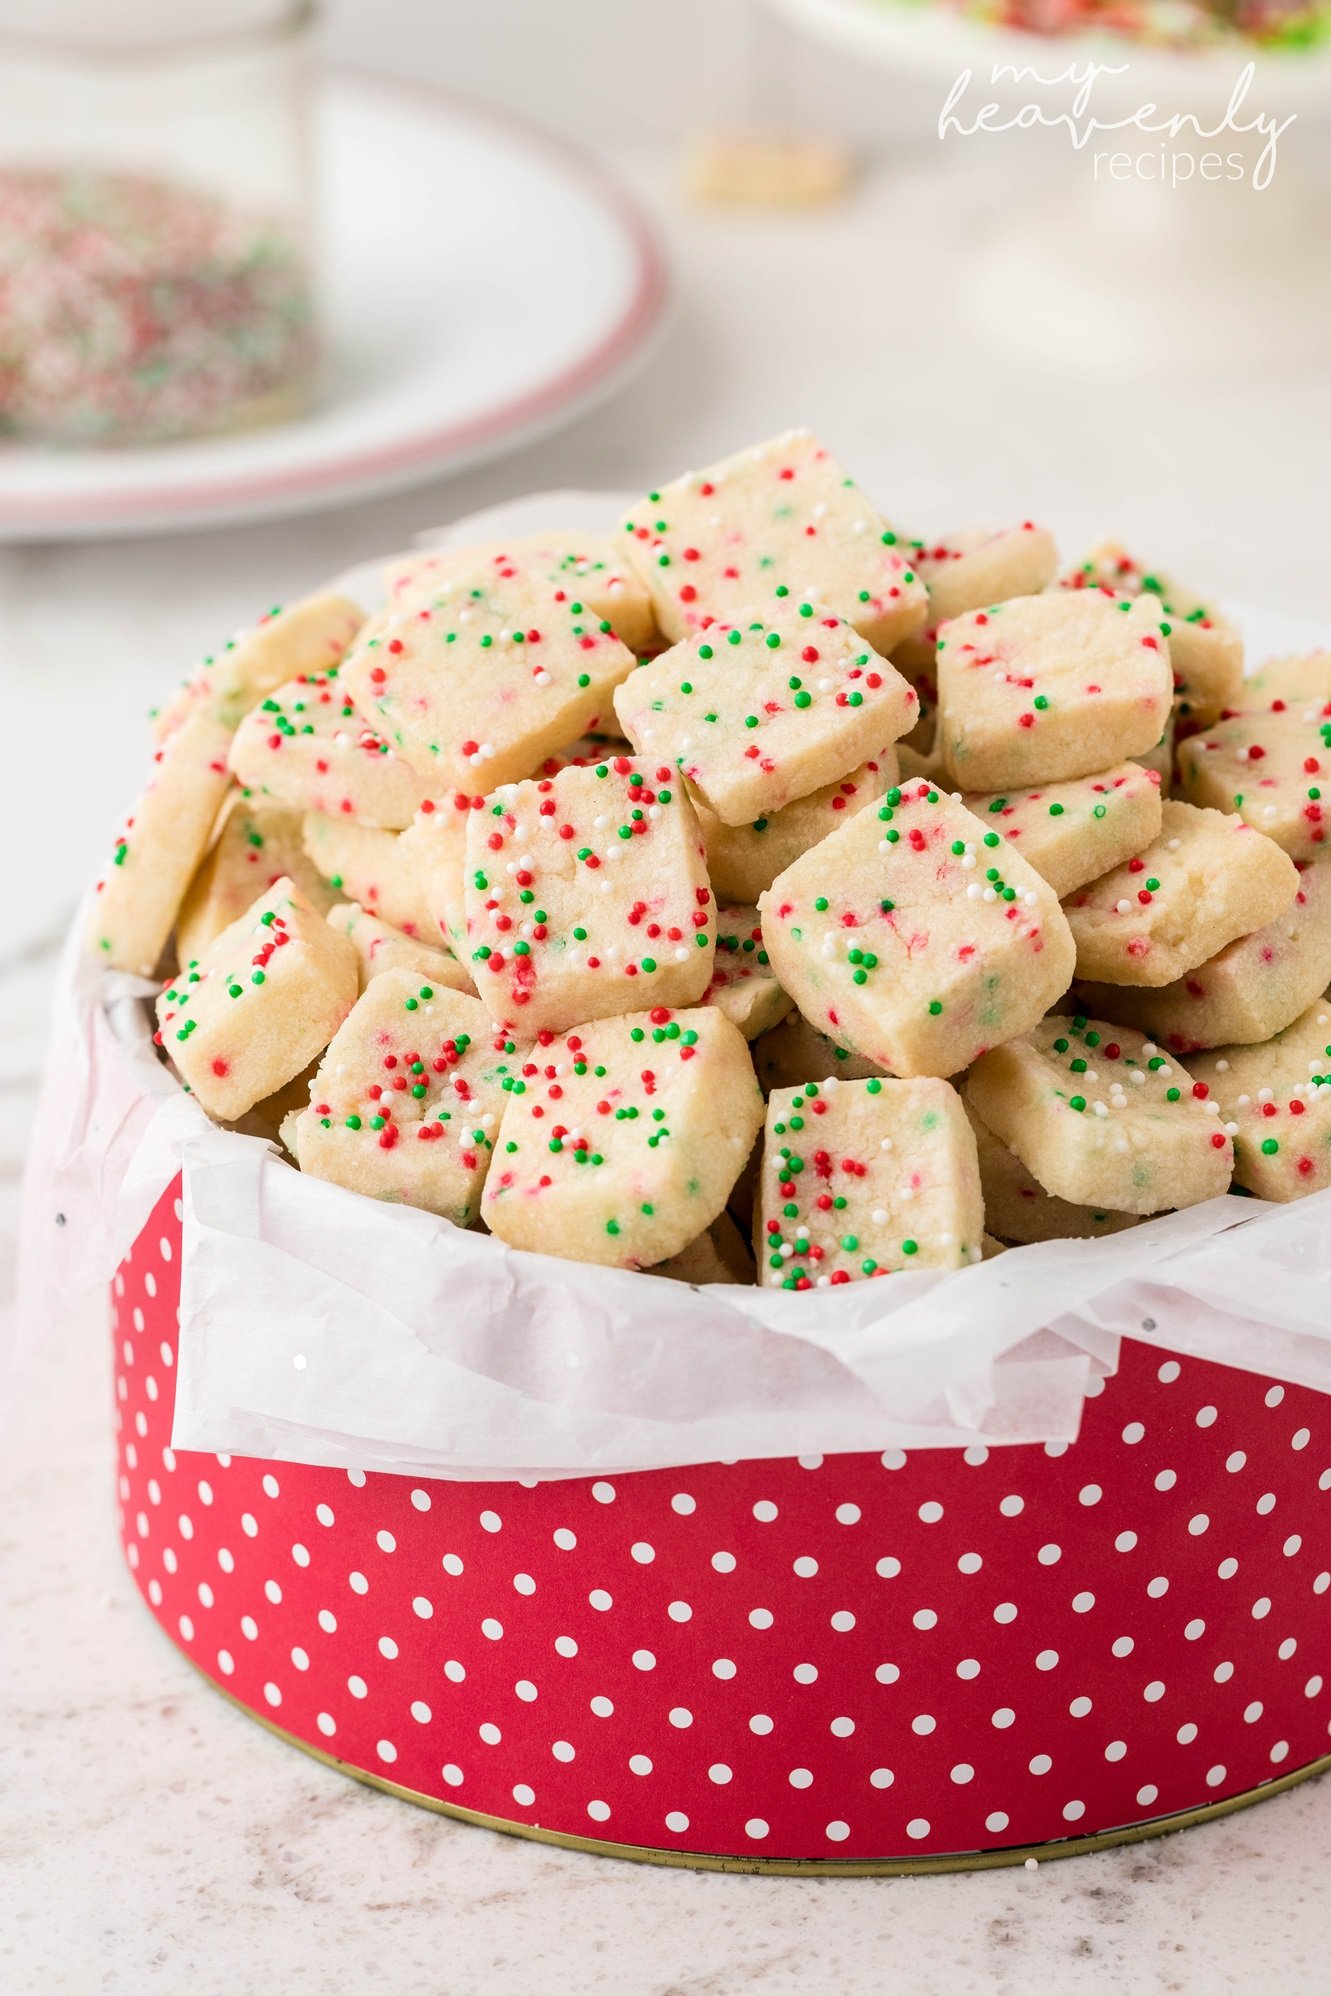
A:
<point x="844" y="1657"/>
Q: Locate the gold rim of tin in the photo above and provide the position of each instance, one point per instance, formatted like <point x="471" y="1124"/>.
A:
<point x="790" y="1867"/>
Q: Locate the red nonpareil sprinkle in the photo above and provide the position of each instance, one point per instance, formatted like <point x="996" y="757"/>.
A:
<point x="1218" y="1140"/>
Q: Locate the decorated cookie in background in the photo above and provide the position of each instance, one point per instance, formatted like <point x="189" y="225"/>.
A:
<point x="408" y="1098"/>
<point x="586" y="894"/>
<point x="621" y="1141"/>
<point x="164" y="839"/>
<point x="1277" y="1099"/>
<point x="719" y="541"/>
<point x="766" y="169"/>
<point x="862" y="1178"/>
<point x="262" y="1001"/>
<point x="765" y="710"/>
<point x="1018" y="1209"/>
<point x="1205" y="649"/>
<point x="1248" y="991"/>
<point x="1303" y="679"/>
<point x="578" y="567"/>
<point x="256" y="845"/>
<point x="968" y="570"/>
<point x="306" y="746"/>
<point x="309" y="636"/>
<point x="917" y="936"/>
<point x="744" y="860"/>
<point x="477" y="682"/>
<point x="380" y="947"/>
<point x="1071" y="832"/>
<point x="361" y="863"/>
<point x="1203" y="880"/>
<point x="795" y="1052"/>
<point x="744" y="984"/>
<point x="1102" y="1118"/>
<point x="719" y="1255"/>
<point x="1271" y="764"/>
<point x="1042" y="688"/>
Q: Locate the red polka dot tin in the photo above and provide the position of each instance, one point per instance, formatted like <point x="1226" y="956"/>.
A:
<point x="852" y="1662"/>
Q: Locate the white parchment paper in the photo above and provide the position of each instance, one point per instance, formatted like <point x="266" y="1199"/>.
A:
<point x="318" y="1326"/>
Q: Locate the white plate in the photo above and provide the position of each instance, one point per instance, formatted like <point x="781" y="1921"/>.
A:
<point x="484" y="282"/>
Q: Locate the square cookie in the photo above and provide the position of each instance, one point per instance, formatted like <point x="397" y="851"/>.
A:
<point x="361" y="863"/>
<point x="578" y="567"/>
<point x="1042" y="688"/>
<point x="916" y="936"/>
<point x="744" y="860"/>
<point x="744" y="984"/>
<point x="624" y="1138"/>
<point x="256" y="845"/>
<point x="1203" y="880"/>
<point x="718" y="541"/>
<point x="306" y="745"/>
<point x="1271" y="765"/>
<point x="971" y="568"/>
<point x="1072" y="832"/>
<point x="1205" y="649"/>
<point x="309" y="636"/>
<point x="765" y="710"/>
<point x="1019" y="1211"/>
<point x="586" y="894"/>
<point x="862" y="1178"/>
<point x="380" y="947"/>
<point x="1277" y="1101"/>
<point x="1102" y="1118"/>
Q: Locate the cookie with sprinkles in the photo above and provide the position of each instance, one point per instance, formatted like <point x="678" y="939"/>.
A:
<point x="1248" y="991"/>
<point x="1205" y="649"/>
<point x="1103" y="1118"/>
<point x="622" y="1140"/>
<point x="362" y="863"/>
<point x="380" y="947"/>
<point x="1272" y="764"/>
<point x="586" y="894"/>
<point x="970" y="568"/>
<point x="477" y="681"/>
<point x="719" y="1255"/>
<point x="408" y="1098"/>
<point x="863" y="1178"/>
<point x="262" y="1001"/>
<point x="718" y="541"/>
<point x="164" y="839"/>
<point x="761" y="711"/>
<point x="795" y="1052"/>
<point x="1304" y="677"/>
<point x="1203" y="880"/>
<point x="744" y="860"/>
<point x="306" y="745"/>
<point x="579" y="567"/>
<point x="1277" y="1101"/>
<point x="309" y="636"/>
<point x="1018" y="1210"/>
<point x="917" y="936"/>
<point x="744" y="984"/>
<point x="1042" y="688"/>
<point x="1071" y="832"/>
<point x="255" y="846"/>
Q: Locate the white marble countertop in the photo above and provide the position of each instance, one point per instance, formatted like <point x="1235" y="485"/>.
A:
<point x="154" y="1840"/>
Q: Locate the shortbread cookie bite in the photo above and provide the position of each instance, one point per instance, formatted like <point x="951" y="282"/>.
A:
<point x="578" y="567"/>
<point x="163" y="841"/>
<point x="434" y="848"/>
<point x="1103" y="1118"/>
<point x="265" y="997"/>
<point x="1072" y="832"/>
<point x="380" y="947"/>
<point x="764" y="710"/>
<point x="361" y="863"/>
<point x="476" y="683"/>
<point x="1248" y="991"/>
<point x="1042" y="688"/>
<point x="256" y="845"/>
<point x="306" y="746"/>
<point x="621" y="1141"/>
<point x="718" y="541"/>
<point x="862" y="1178"/>
<point x="744" y="860"/>
<point x="1300" y="679"/>
<point x="1272" y="765"/>
<point x="744" y="984"/>
<point x="586" y="894"/>
<point x="1018" y="1210"/>
<point x="1277" y="1101"/>
<point x="1203" y="880"/>
<point x="1205" y="649"/>
<point x="408" y="1098"/>
<point x="916" y="936"/>
<point x="795" y="1052"/>
<point x="971" y="568"/>
<point x="719" y="1255"/>
<point x="309" y="636"/>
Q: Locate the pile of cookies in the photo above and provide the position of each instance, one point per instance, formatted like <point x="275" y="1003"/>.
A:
<point x="759" y="870"/>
